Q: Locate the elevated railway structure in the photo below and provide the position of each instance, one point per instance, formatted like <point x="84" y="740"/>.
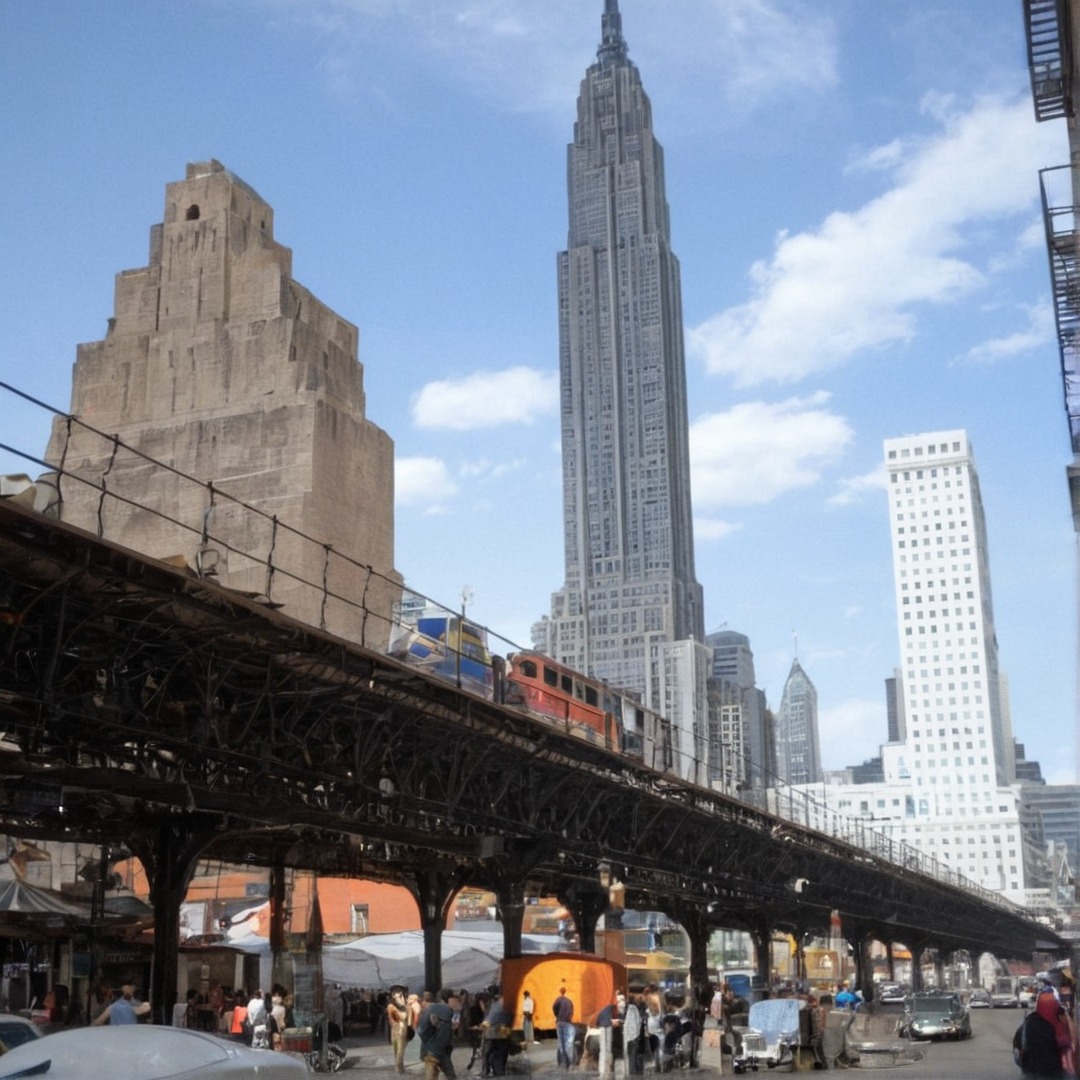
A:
<point x="145" y="707"/>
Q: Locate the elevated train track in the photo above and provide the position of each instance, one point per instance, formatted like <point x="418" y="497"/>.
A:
<point x="142" y="706"/>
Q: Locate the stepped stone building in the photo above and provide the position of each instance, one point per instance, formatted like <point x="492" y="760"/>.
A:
<point x="219" y="369"/>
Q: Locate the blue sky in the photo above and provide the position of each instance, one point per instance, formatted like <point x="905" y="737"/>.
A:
<point x="855" y="205"/>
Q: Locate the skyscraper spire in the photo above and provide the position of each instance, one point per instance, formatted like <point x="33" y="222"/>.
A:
<point x="630" y="591"/>
<point x="612" y="46"/>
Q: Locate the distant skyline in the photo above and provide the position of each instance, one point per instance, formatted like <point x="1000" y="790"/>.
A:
<point x="854" y="203"/>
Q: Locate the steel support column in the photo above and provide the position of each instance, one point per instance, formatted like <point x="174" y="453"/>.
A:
<point x="859" y="940"/>
<point x="277" y="923"/>
<point x="511" y="897"/>
<point x="762" y="938"/>
<point x="433" y="891"/>
<point x="169" y="855"/>
<point x="694" y="919"/>
<point x="586" y="903"/>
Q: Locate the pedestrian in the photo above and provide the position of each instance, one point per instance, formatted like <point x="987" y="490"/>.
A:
<point x="497" y="1025"/>
<point x="527" y="1007"/>
<point x="845" y="997"/>
<point x="397" y="1018"/>
<point x="654" y="1022"/>
<point x="191" y="1010"/>
<point x="239" y="1017"/>
<point x="334" y="1007"/>
<point x="276" y="1024"/>
<point x="436" y="1031"/>
<point x="818" y="1017"/>
<point x="635" y="1038"/>
<point x="608" y="1019"/>
<point x="126" y="1009"/>
<point x="258" y="1016"/>
<point x="415" y="1008"/>
<point x="475" y="1027"/>
<point x="563" y="1009"/>
<point x="1043" y="1040"/>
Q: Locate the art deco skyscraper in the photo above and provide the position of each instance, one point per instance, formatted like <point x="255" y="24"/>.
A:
<point x="798" y="745"/>
<point x="630" y="587"/>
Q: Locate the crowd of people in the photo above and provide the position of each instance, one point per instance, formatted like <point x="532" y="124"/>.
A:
<point x="649" y="1027"/>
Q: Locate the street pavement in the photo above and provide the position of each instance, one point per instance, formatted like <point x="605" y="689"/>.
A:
<point x="986" y="1056"/>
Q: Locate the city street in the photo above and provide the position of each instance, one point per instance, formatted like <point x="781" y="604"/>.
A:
<point x="986" y="1056"/>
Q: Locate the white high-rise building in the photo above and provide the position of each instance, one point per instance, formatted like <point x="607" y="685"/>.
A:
<point x="947" y="781"/>
<point x="945" y="620"/>
<point x="958" y="747"/>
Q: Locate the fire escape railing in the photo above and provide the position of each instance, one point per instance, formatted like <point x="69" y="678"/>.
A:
<point x="1049" y="57"/>
<point x="1060" y="218"/>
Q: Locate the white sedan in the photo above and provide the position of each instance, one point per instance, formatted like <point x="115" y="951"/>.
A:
<point x="144" y="1052"/>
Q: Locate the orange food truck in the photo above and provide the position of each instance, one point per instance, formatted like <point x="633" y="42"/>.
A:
<point x="590" y="983"/>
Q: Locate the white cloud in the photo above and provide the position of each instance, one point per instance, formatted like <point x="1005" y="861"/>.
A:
<point x="713" y="528"/>
<point x="744" y="52"/>
<point x="422" y="480"/>
<point x="1038" y="334"/>
<point x="741" y="52"/>
<point x="756" y="451"/>
<point x="484" y="470"/>
<point x="852" y="488"/>
<point x="855" y="284"/>
<point x="518" y="395"/>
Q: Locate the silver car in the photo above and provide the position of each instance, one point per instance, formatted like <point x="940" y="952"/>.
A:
<point x="936" y="1016"/>
<point x="145" y="1052"/>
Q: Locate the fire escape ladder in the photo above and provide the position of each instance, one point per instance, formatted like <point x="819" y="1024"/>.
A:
<point x="1063" y="245"/>
<point x="1049" y="59"/>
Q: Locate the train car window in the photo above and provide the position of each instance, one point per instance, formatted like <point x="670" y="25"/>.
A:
<point x="591" y="696"/>
<point x="528" y="669"/>
<point x="567" y="684"/>
<point x="551" y="676"/>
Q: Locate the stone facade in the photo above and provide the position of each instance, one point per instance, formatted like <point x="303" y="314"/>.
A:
<point x="219" y="369"/>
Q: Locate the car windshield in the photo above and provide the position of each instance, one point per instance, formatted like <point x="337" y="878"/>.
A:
<point x="14" y="1034"/>
<point x="934" y="1003"/>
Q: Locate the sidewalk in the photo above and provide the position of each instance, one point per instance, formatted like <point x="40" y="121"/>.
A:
<point x="372" y="1053"/>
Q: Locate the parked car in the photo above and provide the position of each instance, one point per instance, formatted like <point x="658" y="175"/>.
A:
<point x="144" y="1052"/>
<point x="892" y="993"/>
<point x="771" y="1037"/>
<point x="936" y="1015"/>
<point x="16" y="1030"/>
<point x="980" y="999"/>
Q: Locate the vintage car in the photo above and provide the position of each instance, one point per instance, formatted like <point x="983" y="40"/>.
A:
<point x="773" y="1034"/>
<point x="936" y="1015"/>
<point x="892" y="993"/>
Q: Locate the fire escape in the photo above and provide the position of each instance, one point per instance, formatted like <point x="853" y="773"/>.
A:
<point x="1049" y="57"/>
<point x="1048" y="24"/>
